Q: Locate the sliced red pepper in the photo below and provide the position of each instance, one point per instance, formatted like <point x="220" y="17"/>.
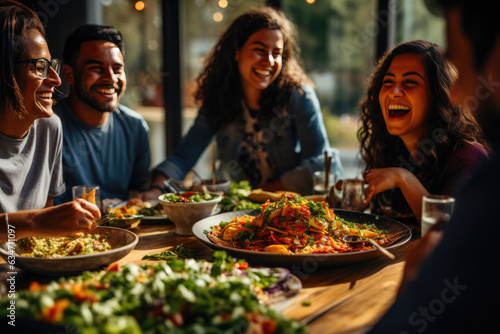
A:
<point x="81" y="294"/>
<point x="275" y="239"/>
<point x="269" y="326"/>
<point x="266" y="204"/>
<point x="241" y="266"/>
<point x="188" y="194"/>
<point x="157" y="311"/>
<point x="177" y="319"/>
<point x="54" y="313"/>
<point x="337" y="246"/>
<point x="35" y="286"/>
<point x="113" y="267"/>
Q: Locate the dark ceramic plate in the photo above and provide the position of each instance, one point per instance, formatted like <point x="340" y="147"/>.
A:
<point x="394" y="214"/>
<point x="311" y="260"/>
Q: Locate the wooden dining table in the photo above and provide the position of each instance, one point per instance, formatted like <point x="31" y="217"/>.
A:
<point x="347" y="298"/>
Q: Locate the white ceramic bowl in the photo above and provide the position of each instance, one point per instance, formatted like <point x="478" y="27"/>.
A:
<point x="184" y="215"/>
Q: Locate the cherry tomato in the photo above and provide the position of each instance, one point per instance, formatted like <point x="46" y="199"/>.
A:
<point x="241" y="266"/>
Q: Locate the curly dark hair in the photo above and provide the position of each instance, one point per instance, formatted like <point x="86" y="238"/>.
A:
<point x="449" y="126"/>
<point x="15" y="19"/>
<point x="219" y="86"/>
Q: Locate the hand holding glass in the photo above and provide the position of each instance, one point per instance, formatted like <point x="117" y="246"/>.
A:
<point x="436" y="209"/>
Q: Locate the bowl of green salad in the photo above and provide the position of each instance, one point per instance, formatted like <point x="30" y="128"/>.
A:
<point x="185" y="209"/>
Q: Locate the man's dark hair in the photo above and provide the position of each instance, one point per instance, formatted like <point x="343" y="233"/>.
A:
<point x="87" y="33"/>
<point x="480" y="24"/>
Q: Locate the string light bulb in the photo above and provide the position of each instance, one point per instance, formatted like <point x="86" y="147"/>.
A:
<point x="139" y="5"/>
<point x="223" y="3"/>
<point x="217" y="16"/>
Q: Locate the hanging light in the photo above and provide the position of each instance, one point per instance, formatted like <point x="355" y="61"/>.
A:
<point x="139" y="5"/>
<point x="217" y="16"/>
<point x="223" y="3"/>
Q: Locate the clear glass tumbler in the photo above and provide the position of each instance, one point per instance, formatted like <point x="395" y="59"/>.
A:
<point x="353" y="195"/>
<point x="436" y="209"/>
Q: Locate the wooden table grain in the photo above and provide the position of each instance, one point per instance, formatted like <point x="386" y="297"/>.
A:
<point x="343" y="299"/>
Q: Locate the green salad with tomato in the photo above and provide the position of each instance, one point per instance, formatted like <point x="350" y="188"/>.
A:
<point x="190" y="197"/>
<point x="236" y="199"/>
<point x="175" y="296"/>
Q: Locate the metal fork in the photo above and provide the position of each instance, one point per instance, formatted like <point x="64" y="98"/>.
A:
<point x="394" y="237"/>
<point x="104" y="219"/>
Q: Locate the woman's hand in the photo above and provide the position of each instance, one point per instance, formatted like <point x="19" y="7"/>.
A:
<point x="382" y="179"/>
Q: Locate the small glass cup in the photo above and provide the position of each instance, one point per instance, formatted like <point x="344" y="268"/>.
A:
<point x="353" y="195"/>
<point x="319" y="182"/>
<point x="91" y="193"/>
<point x="436" y="209"/>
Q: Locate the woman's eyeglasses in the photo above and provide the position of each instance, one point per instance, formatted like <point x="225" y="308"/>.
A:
<point x="42" y="66"/>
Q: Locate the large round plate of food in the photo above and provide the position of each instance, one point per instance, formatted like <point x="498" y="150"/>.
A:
<point x="295" y="231"/>
<point x="70" y="255"/>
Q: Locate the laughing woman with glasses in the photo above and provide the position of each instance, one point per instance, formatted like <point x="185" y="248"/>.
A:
<point x="30" y="136"/>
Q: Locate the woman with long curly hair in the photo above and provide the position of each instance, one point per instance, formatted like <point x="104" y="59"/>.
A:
<point x="413" y="138"/>
<point x="258" y="102"/>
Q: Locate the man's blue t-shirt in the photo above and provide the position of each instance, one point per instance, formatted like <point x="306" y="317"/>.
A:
<point x="114" y="156"/>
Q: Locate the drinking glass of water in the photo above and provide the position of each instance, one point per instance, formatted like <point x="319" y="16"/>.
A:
<point x="436" y="209"/>
<point x="321" y="185"/>
<point x="353" y="195"/>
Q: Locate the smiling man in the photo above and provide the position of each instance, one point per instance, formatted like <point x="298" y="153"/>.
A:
<point x="105" y="143"/>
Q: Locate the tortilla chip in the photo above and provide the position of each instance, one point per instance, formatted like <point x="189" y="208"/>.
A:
<point x="260" y="196"/>
<point x="90" y="196"/>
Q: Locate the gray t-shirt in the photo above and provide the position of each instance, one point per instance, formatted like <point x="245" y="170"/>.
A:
<point x="31" y="167"/>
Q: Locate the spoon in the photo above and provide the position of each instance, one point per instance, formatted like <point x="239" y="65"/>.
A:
<point x="355" y="239"/>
